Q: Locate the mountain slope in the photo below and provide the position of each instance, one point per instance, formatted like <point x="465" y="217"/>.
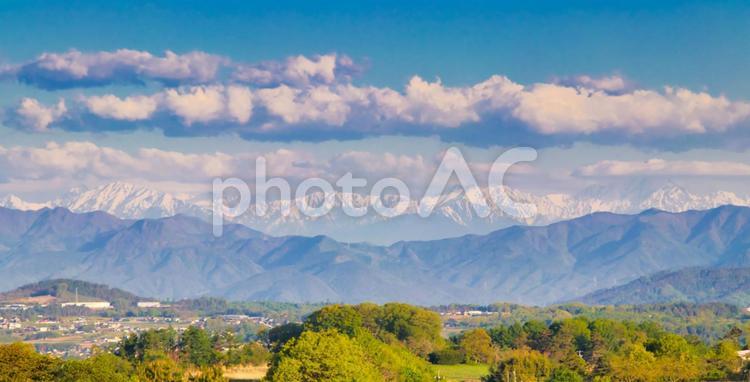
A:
<point x="179" y="257"/>
<point x="545" y="264"/>
<point x="697" y="285"/>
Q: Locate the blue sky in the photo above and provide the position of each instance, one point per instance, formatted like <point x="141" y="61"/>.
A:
<point x="692" y="44"/>
<point x="622" y="54"/>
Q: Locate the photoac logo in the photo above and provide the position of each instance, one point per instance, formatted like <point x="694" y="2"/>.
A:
<point x="452" y="164"/>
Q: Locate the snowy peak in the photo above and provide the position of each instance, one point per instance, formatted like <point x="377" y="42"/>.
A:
<point x="673" y="199"/>
<point x="124" y="200"/>
<point x="120" y="199"/>
<point x="16" y="203"/>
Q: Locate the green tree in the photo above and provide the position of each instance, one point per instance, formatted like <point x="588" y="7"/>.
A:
<point x="508" y="337"/>
<point x="521" y="365"/>
<point x="196" y="347"/>
<point x="278" y="336"/>
<point x="477" y="345"/>
<point x="418" y="328"/>
<point x="448" y="356"/>
<point x="538" y="335"/>
<point x="568" y="337"/>
<point x="20" y="362"/>
<point x="253" y="353"/>
<point x="634" y="364"/>
<point x="394" y="362"/>
<point x="343" y="318"/>
<point x="676" y="358"/>
<point x="100" y="367"/>
<point x="723" y="360"/>
<point x="563" y="374"/>
<point x="322" y="356"/>
<point x="208" y="374"/>
<point x="160" y="370"/>
<point x="371" y="314"/>
<point x="151" y="344"/>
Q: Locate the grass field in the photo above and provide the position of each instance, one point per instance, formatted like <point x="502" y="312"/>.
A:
<point x="462" y="372"/>
<point x="246" y="373"/>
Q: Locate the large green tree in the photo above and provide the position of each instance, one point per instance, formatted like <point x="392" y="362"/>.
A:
<point x="343" y="318"/>
<point x="477" y="346"/>
<point x="100" y="367"/>
<point x="325" y="355"/>
<point x="418" y="328"/>
<point x="20" y="362"/>
<point x="196" y="347"/>
<point x="522" y="365"/>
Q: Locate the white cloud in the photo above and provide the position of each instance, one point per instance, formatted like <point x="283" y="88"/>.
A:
<point x="545" y="109"/>
<point x="129" y="108"/>
<point x="317" y="104"/>
<point x="203" y="104"/>
<point x="86" y="159"/>
<point x="196" y="104"/>
<point x="431" y="102"/>
<point x="239" y="103"/>
<point x="553" y="109"/>
<point x="661" y="167"/>
<point x="35" y="116"/>
<point x="71" y="163"/>
<point x="75" y="68"/>
<point x="414" y="169"/>
<point x="298" y="71"/>
<point x="609" y="84"/>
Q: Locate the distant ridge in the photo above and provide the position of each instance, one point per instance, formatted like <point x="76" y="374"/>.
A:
<point x="696" y="285"/>
<point x="179" y="257"/>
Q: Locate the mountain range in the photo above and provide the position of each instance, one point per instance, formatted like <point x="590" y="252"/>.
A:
<point x="454" y="216"/>
<point x="177" y="257"/>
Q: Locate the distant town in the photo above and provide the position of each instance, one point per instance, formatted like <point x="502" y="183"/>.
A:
<point x="77" y="336"/>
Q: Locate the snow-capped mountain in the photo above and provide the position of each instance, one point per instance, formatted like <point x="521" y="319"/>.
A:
<point x="120" y="199"/>
<point x="128" y="201"/>
<point x="453" y="215"/>
<point x="16" y="203"/>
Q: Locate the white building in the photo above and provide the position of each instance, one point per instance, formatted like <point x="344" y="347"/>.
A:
<point x="95" y="305"/>
<point x="149" y="304"/>
<point x="10" y="325"/>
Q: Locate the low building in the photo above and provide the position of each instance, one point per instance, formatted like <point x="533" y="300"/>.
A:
<point x="10" y="325"/>
<point x="14" y="307"/>
<point x="95" y="305"/>
<point x="149" y="304"/>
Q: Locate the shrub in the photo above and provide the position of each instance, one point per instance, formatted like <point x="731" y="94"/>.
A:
<point x="449" y="356"/>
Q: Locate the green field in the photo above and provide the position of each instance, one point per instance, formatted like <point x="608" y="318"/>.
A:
<point x="462" y="372"/>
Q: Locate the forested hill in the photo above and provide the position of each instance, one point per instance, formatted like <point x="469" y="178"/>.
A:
<point x="698" y="285"/>
<point x="64" y="290"/>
